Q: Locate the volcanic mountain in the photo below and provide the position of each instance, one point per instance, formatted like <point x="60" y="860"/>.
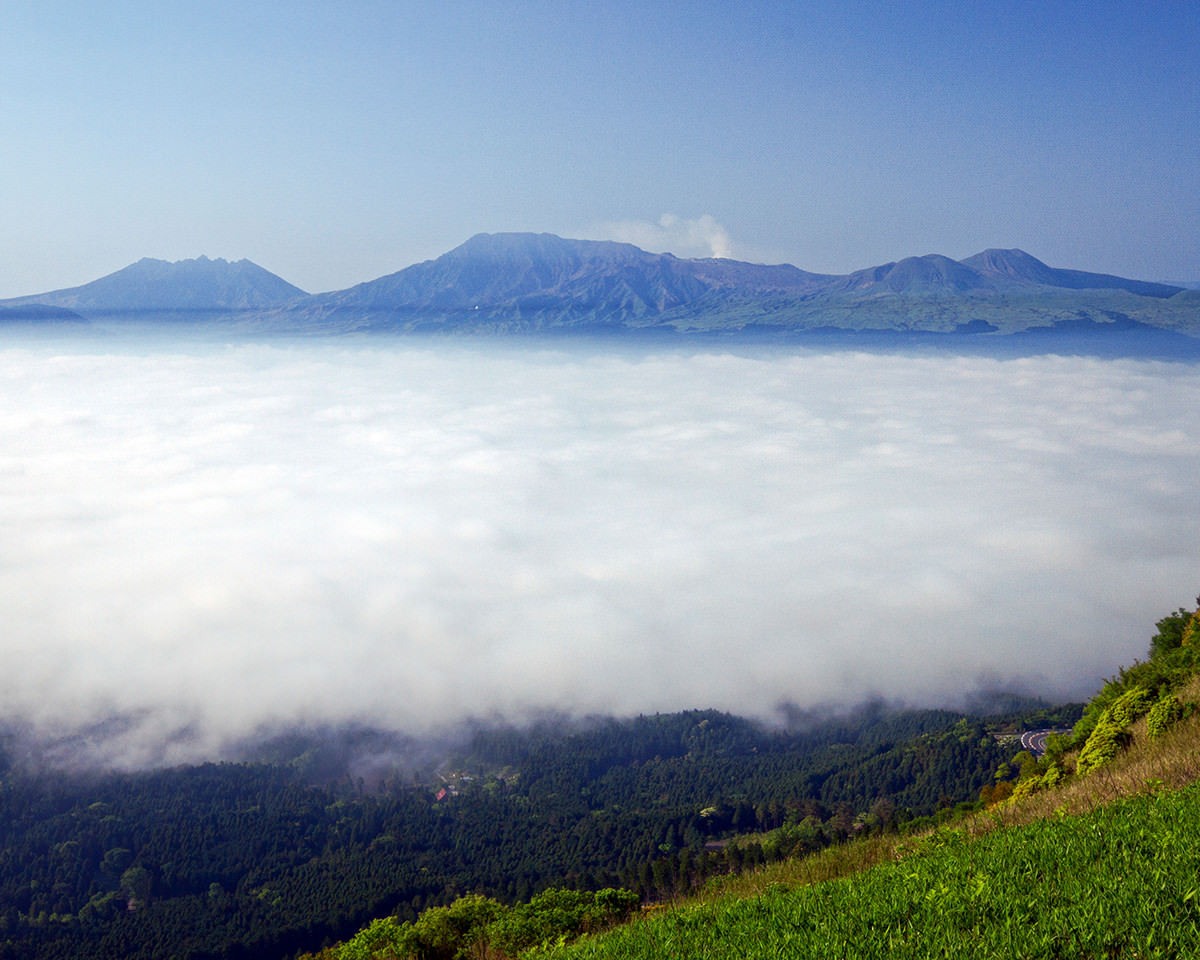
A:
<point x="185" y="288"/>
<point x="1017" y="267"/>
<point x="540" y="283"/>
<point x="535" y="281"/>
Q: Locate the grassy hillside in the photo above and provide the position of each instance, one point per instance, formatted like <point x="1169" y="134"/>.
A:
<point x="1103" y="863"/>
<point x="1092" y="851"/>
<point x="1120" y="881"/>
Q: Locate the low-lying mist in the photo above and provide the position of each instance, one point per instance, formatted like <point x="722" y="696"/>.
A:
<point x="203" y="543"/>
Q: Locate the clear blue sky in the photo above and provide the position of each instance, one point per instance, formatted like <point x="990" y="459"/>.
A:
<point x="334" y="143"/>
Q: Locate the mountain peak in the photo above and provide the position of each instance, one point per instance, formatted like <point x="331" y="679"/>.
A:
<point x="198" y="285"/>
<point x="930" y="274"/>
<point x="1018" y="266"/>
<point x="1014" y="264"/>
<point x="543" y="246"/>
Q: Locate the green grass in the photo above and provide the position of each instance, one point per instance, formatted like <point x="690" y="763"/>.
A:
<point x="1118" y="882"/>
<point x="1101" y="865"/>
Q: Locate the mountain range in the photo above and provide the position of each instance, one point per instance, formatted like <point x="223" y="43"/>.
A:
<point x="540" y="283"/>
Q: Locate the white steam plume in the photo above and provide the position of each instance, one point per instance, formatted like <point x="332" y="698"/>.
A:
<point x="701" y="237"/>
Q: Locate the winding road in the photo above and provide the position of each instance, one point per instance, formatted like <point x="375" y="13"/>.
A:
<point x="1035" y="740"/>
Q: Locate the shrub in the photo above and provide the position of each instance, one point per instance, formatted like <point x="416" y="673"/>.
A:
<point x="1109" y="733"/>
<point x="1170" y="632"/>
<point x="557" y="916"/>
<point x="449" y="933"/>
<point x="1171" y="663"/>
<point x="440" y="933"/>
<point x="382" y="939"/>
<point x="1191" y="633"/>
<point x="475" y="926"/>
<point x="1129" y="706"/>
<point x="1025" y="787"/>
<point x="1166" y="711"/>
<point x="1053" y="776"/>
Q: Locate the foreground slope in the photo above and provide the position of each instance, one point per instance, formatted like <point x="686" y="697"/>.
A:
<point x="1120" y="882"/>
<point x="1117" y="879"/>
<point x="1091" y="851"/>
<point x="1088" y="858"/>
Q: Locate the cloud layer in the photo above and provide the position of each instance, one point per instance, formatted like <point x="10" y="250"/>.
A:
<point x="700" y="237"/>
<point x="210" y="541"/>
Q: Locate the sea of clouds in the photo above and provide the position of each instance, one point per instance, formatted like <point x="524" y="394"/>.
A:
<point x="203" y="542"/>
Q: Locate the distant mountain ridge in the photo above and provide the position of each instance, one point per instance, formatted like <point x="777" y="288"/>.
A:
<point x="185" y="286"/>
<point x="38" y="314"/>
<point x="529" y="283"/>
<point x="546" y="280"/>
<point x="1018" y="266"/>
<point x="541" y="283"/>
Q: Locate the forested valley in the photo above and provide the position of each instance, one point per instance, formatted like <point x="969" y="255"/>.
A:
<point x="276" y="857"/>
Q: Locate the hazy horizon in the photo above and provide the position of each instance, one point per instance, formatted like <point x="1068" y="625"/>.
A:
<point x="209" y="540"/>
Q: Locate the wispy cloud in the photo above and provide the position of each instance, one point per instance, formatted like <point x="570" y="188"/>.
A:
<point x="701" y="237"/>
<point x="208" y="542"/>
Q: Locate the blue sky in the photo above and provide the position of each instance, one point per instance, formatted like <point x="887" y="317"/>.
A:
<point x="333" y="144"/>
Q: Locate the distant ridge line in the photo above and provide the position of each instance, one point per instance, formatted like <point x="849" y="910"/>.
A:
<point x="541" y="283"/>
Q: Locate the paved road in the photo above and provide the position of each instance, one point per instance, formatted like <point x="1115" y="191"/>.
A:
<point x="1035" y="740"/>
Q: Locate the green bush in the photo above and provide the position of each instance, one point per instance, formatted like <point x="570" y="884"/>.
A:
<point x="1129" y="706"/>
<point x="1170" y="632"/>
<point x="1191" y="633"/>
<point x="1166" y="711"/>
<point x="440" y="933"/>
<point x="1109" y="733"/>
<point x="1052" y="776"/>
<point x="1024" y="788"/>
<point x="382" y="939"/>
<point x="450" y="933"/>
<point x="476" y="926"/>
<point x="1153" y="677"/>
<point x="558" y="916"/>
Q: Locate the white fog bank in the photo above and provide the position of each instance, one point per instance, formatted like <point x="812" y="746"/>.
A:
<point x="215" y="540"/>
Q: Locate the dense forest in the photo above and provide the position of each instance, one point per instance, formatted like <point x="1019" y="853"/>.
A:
<point x="260" y="859"/>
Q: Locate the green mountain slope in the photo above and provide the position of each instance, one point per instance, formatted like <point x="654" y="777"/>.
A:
<point x="1094" y="853"/>
<point x="1092" y="856"/>
<point x="1120" y="882"/>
